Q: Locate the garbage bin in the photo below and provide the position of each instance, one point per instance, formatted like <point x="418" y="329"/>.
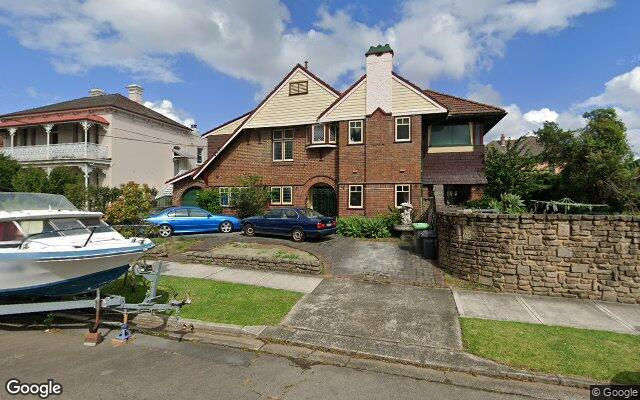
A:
<point x="418" y="227"/>
<point x="429" y="239"/>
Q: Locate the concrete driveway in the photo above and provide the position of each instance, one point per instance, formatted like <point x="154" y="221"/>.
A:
<point x="377" y="261"/>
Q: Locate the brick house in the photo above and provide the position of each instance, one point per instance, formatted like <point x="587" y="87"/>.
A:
<point x="381" y="142"/>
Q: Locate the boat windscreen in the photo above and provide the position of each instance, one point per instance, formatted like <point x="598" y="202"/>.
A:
<point x="34" y="201"/>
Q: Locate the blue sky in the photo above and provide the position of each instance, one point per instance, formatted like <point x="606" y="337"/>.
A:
<point x="213" y="60"/>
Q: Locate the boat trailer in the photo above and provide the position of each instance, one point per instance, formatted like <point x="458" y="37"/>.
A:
<point x="113" y="303"/>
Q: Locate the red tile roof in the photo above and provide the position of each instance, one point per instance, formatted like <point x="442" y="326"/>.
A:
<point x="459" y="106"/>
<point x="18" y="121"/>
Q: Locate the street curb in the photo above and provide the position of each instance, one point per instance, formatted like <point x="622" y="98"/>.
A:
<point x="525" y="376"/>
<point x="232" y="336"/>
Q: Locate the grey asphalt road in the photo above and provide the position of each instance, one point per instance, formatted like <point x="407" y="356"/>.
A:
<point x="157" y="368"/>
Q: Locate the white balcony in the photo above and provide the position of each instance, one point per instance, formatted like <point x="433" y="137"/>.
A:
<point x="62" y="151"/>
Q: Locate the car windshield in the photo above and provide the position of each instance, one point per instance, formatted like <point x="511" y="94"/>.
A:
<point x="309" y="213"/>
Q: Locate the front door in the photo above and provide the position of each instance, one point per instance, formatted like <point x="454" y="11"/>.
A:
<point x="323" y="200"/>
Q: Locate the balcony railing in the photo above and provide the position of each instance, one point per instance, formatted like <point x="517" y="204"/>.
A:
<point x="57" y="151"/>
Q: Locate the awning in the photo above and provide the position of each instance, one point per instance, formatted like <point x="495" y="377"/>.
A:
<point x="19" y="121"/>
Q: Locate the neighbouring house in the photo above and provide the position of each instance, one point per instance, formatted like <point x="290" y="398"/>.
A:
<point x="527" y="145"/>
<point x="381" y="142"/>
<point x="111" y="138"/>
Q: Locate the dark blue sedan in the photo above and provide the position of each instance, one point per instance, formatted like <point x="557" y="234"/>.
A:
<point x="192" y="220"/>
<point x="297" y="223"/>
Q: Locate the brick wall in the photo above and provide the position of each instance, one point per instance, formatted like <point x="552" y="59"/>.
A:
<point x="585" y="256"/>
<point x="379" y="164"/>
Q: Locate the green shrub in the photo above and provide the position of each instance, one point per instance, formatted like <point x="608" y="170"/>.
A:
<point x="209" y="199"/>
<point x="61" y="176"/>
<point x="483" y="202"/>
<point x="77" y="194"/>
<point x="132" y="206"/>
<point x="30" y="179"/>
<point x="128" y="231"/>
<point x="99" y="197"/>
<point x="252" y="199"/>
<point x="508" y="204"/>
<point x="8" y="169"/>
<point x="365" y="227"/>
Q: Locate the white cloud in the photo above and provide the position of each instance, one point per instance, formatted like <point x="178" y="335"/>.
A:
<point x="541" y="116"/>
<point x="165" y="107"/>
<point x="255" y="40"/>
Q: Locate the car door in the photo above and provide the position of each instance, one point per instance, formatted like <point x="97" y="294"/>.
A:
<point x="179" y="219"/>
<point x="271" y="222"/>
<point x="290" y="219"/>
<point x="201" y="221"/>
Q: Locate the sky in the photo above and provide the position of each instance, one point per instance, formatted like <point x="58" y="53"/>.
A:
<point x="208" y="61"/>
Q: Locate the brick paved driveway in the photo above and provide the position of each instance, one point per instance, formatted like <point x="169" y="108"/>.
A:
<point x="376" y="261"/>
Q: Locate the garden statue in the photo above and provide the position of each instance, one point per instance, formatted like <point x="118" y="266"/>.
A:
<point x="407" y="208"/>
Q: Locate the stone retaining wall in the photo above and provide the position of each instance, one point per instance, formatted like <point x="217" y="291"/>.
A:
<point x="259" y="263"/>
<point x="585" y="256"/>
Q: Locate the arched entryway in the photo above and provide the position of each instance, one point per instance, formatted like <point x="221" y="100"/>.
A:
<point x="189" y="196"/>
<point x="322" y="198"/>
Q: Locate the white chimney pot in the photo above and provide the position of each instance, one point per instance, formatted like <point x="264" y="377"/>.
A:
<point x="135" y="92"/>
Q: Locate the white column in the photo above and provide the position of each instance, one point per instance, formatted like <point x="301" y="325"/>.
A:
<point x="48" y="128"/>
<point x="86" y="125"/>
<point x="12" y="133"/>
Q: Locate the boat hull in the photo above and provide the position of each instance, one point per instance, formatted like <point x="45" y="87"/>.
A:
<point x="54" y="277"/>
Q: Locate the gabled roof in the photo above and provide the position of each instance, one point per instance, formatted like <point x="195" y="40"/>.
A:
<point x="342" y="96"/>
<point x="457" y="106"/>
<point x="297" y="67"/>
<point x="108" y="100"/>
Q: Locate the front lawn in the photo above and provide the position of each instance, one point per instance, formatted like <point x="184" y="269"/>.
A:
<point x="605" y="356"/>
<point x="214" y="301"/>
<point x="174" y="245"/>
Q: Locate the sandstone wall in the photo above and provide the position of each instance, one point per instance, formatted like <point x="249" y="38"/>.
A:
<point x="585" y="256"/>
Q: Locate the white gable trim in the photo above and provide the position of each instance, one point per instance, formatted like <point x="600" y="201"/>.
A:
<point x="327" y="118"/>
<point x="440" y="109"/>
<point x="213" y="132"/>
<point x="254" y="112"/>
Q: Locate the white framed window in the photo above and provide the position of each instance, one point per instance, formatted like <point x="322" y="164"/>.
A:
<point x="403" y="194"/>
<point x="355" y="196"/>
<point x="283" y="145"/>
<point x="451" y="135"/>
<point x="403" y="129"/>
<point x="199" y="152"/>
<point x="317" y="135"/>
<point x="355" y="132"/>
<point x="333" y="132"/>
<point x="281" y="195"/>
<point x="224" y="196"/>
<point x="300" y="87"/>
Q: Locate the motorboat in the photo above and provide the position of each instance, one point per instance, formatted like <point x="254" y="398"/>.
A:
<point x="50" y="248"/>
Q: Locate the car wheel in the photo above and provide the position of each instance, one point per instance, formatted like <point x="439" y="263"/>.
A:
<point x="297" y="235"/>
<point x="249" y="230"/>
<point x="165" y="230"/>
<point x="226" y="227"/>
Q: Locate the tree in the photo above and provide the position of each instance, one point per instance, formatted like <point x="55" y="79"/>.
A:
<point x="132" y="206"/>
<point x="30" y="179"/>
<point x="99" y="197"/>
<point x="209" y="199"/>
<point x="61" y="176"/>
<point x="596" y="161"/>
<point x="76" y="193"/>
<point x="8" y="169"/>
<point x="252" y="199"/>
<point x="514" y="171"/>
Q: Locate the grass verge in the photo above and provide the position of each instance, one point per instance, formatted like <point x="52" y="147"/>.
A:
<point x="175" y="245"/>
<point x="605" y="356"/>
<point x="222" y="302"/>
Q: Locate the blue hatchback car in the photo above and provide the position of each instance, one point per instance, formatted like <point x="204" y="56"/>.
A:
<point x="297" y="223"/>
<point x="192" y="220"/>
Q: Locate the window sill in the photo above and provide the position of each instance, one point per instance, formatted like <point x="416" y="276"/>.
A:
<point x="322" y="145"/>
<point x="355" y="208"/>
<point x="283" y="161"/>
<point x="403" y="141"/>
<point x="449" y="149"/>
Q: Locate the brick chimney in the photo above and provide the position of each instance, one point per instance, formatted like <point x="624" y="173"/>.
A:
<point x="379" y="69"/>
<point x="135" y="92"/>
<point x="93" y="92"/>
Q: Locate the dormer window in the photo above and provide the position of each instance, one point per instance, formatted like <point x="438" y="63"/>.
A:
<point x="299" y="87"/>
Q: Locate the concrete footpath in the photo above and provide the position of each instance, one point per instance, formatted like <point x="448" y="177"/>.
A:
<point x="587" y="314"/>
<point x="270" y="279"/>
